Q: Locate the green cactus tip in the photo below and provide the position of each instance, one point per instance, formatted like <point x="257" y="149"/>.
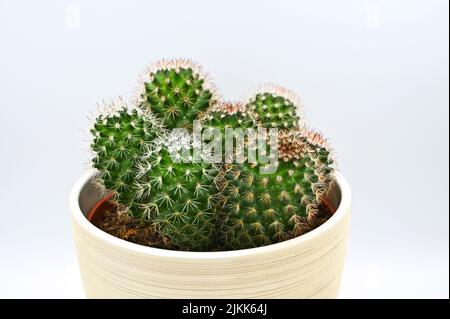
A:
<point x="178" y="91"/>
<point x="276" y="107"/>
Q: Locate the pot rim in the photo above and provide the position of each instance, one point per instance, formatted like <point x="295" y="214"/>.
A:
<point x="101" y="235"/>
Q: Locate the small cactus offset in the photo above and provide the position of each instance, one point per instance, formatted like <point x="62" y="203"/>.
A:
<point x="228" y="114"/>
<point x="232" y="120"/>
<point x="177" y="91"/>
<point x="203" y="205"/>
<point x="276" y="107"/>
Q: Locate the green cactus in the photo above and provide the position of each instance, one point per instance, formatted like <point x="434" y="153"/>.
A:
<point x="177" y="91"/>
<point x="258" y="208"/>
<point x="198" y="205"/>
<point x="263" y="209"/>
<point x="230" y="118"/>
<point x="229" y="115"/>
<point x="178" y="196"/>
<point x="121" y="136"/>
<point x="133" y="160"/>
<point x="276" y="107"/>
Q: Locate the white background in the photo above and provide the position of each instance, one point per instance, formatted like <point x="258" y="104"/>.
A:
<point x="373" y="76"/>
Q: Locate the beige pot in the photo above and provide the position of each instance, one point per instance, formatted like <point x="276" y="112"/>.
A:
<point x="309" y="266"/>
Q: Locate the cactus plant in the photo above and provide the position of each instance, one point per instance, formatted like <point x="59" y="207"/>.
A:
<point x="178" y="91"/>
<point x="227" y="114"/>
<point x="157" y="186"/>
<point x="179" y="197"/>
<point x="231" y="119"/>
<point x="198" y="204"/>
<point x="276" y="107"/>
<point x="174" y="195"/>
<point x="121" y="136"/>
<point x="263" y="209"/>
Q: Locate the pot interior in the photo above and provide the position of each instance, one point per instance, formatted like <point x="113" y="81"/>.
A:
<point x="89" y="197"/>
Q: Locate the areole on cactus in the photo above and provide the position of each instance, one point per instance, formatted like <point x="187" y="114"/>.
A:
<point x="201" y="205"/>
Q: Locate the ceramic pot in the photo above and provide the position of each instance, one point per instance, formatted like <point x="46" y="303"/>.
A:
<point x="309" y="266"/>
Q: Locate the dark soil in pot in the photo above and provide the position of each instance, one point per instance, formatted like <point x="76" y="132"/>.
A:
<point x="107" y="216"/>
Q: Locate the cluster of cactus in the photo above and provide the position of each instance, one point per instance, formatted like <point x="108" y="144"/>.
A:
<point x="201" y="205"/>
